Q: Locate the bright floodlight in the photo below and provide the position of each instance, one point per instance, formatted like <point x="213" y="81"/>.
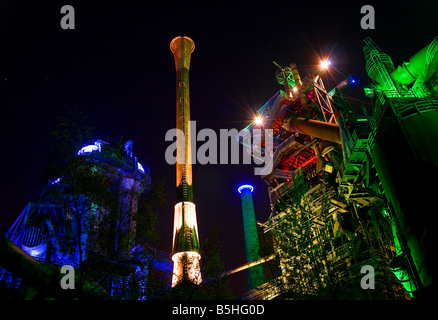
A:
<point x="258" y="120"/>
<point x="325" y="64"/>
<point x="244" y="187"/>
<point x="140" y="167"/>
<point x="88" y="149"/>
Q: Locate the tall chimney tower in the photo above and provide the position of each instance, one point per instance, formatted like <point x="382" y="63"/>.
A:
<point x="252" y="246"/>
<point x="185" y="251"/>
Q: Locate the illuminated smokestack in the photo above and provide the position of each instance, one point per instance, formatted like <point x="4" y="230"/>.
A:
<point x="255" y="274"/>
<point x="185" y="251"/>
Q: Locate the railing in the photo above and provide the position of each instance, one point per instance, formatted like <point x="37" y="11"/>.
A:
<point x="405" y="109"/>
<point x="402" y="108"/>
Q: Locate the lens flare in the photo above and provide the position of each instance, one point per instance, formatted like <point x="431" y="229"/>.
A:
<point x="325" y="64"/>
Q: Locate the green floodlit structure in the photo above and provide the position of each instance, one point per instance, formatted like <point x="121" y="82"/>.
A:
<point x="255" y="274"/>
<point x="350" y="189"/>
<point x="415" y="78"/>
<point x="404" y="131"/>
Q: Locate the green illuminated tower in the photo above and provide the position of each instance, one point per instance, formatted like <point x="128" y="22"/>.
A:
<point x="255" y="273"/>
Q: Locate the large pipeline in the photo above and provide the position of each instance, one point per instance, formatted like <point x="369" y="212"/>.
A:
<point x="313" y="128"/>
<point x="243" y="267"/>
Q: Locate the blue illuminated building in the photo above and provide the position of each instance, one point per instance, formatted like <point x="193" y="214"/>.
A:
<point x="61" y="226"/>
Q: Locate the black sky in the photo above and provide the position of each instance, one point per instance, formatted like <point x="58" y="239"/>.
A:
<point x="117" y="64"/>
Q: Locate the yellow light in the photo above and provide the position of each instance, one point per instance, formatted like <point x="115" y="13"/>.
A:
<point x="186" y="262"/>
<point x="258" y="120"/>
<point x="189" y="218"/>
<point x="325" y="64"/>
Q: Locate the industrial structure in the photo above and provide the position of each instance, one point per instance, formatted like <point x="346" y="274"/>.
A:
<point x="185" y="250"/>
<point x="351" y="188"/>
<point x="85" y="219"/>
<point x="252" y="247"/>
<point x="404" y="126"/>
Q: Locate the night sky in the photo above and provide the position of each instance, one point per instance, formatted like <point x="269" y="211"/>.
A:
<point x="117" y="64"/>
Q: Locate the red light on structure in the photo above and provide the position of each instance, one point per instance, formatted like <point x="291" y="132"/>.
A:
<point x="308" y="161"/>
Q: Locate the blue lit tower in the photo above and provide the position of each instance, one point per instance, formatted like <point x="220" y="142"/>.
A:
<point x="255" y="274"/>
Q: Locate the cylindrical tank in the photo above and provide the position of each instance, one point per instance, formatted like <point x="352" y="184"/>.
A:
<point x="406" y="159"/>
<point x="409" y="71"/>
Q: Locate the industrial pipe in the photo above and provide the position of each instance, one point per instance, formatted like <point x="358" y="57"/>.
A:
<point x="320" y="161"/>
<point x="243" y="267"/>
<point x="333" y="151"/>
<point x="299" y="84"/>
<point x="409" y="71"/>
<point x="313" y="128"/>
<point x="295" y="73"/>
